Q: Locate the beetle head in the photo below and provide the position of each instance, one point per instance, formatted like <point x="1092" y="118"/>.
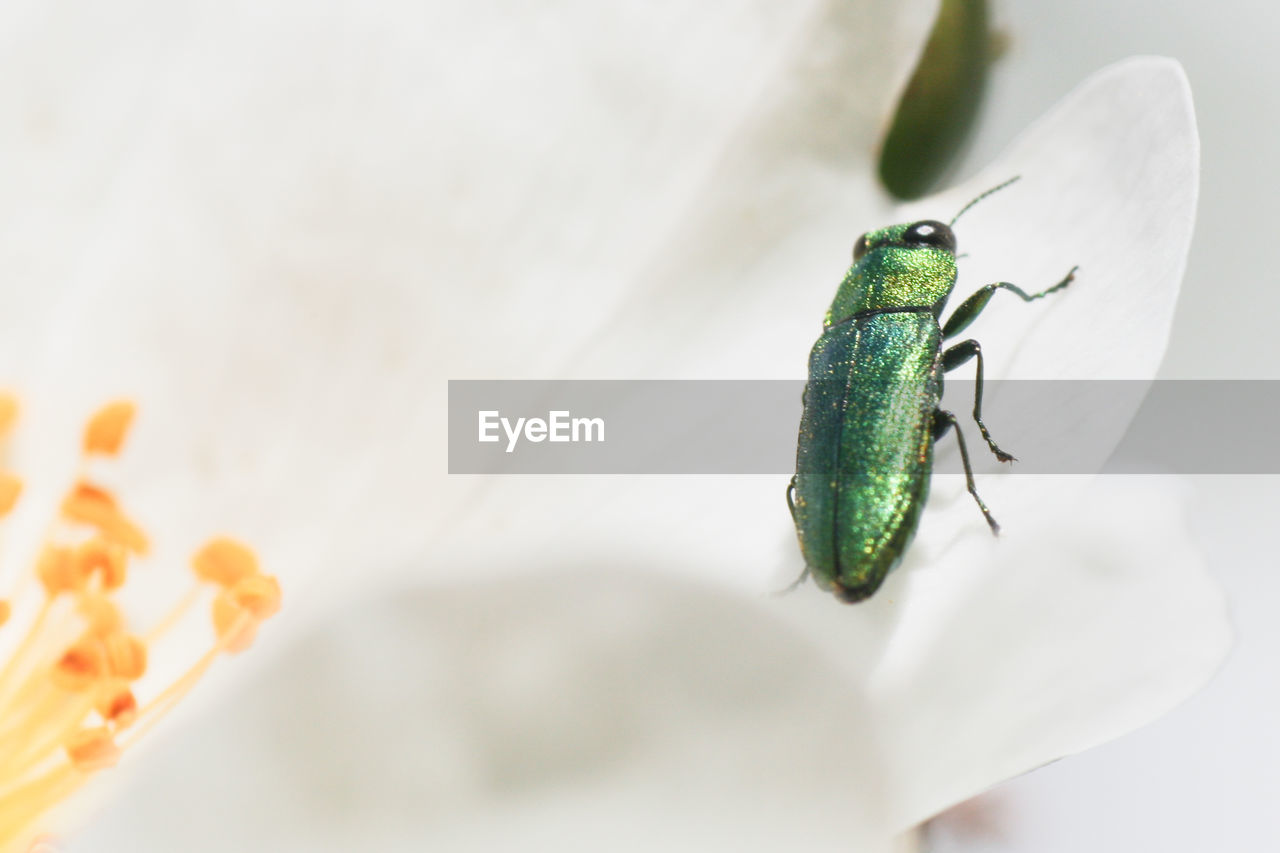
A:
<point x="902" y="266"/>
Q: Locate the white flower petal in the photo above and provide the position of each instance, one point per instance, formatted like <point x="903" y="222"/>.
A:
<point x="1112" y="174"/>
<point x="1093" y="613"/>
<point x="283" y="230"/>
<point x="1070" y="547"/>
<point x="567" y="711"/>
<point x="678" y="204"/>
<point x="1109" y="183"/>
<point x="752" y="325"/>
<point x="287" y="229"/>
<point x="1076" y="629"/>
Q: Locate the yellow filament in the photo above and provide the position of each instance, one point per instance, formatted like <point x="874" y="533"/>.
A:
<point x="175" y="615"/>
<point x="67" y="703"/>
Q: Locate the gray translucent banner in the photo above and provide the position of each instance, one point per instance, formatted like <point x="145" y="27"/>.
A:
<point x="750" y="427"/>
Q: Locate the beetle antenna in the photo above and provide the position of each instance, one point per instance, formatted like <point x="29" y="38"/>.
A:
<point x="994" y="189"/>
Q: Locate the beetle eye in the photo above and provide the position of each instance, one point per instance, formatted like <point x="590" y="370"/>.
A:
<point x="930" y="233"/>
<point x="860" y="248"/>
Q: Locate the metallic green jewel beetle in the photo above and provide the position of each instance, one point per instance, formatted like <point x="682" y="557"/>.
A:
<point x="871" y="411"/>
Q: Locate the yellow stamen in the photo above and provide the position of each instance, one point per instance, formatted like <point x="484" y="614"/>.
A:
<point x="82" y="665"/>
<point x="106" y="558"/>
<point x="67" y="691"/>
<point x="95" y="506"/>
<point x="59" y="571"/>
<point x="10" y="488"/>
<point x="183" y="685"/>
<point x="107" y="428"/>
<point x="126" y="655"/>
<point x="118" y="706"/>
<point x="224" y="562"/>
<point x="176" y="614"/>
<point x="236" y="628"/>
<point x="8" y="413"/>
<point x="258" y="595"/>
<point x="92" y="749"/>
<point x="100" y="615"/>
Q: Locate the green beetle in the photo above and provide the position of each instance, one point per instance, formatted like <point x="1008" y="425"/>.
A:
<point x="871" y="413"/>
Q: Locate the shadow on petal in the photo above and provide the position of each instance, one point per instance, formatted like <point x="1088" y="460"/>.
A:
<point x="620" y="710"/>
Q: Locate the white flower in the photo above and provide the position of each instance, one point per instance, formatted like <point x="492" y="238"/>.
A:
<point x="1206" y="770"/>
<point x="283" y="229"/>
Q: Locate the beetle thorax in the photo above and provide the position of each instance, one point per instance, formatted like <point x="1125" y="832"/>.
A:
<point x="892" y="277"/>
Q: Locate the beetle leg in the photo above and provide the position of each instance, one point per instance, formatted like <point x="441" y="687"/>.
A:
<point x="969" y="310"/>
<point x="791" y="587"/>
<point x="791" y="504"/>
<point x="943" y="421"/>
<point x="953" y="358"/>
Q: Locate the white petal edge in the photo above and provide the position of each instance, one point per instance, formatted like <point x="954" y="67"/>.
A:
<point x="1081" y="626"/>
<point x="1109" y="182"/>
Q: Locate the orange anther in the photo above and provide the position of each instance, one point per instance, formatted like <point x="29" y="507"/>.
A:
<point x="94" y="506"/>
<point x="5" y="612"/>
<point x="235" y="626"/>
<point x="259" y="595"/>
<point x="10" y="489"/>
<point x="102" y="616"/>
<point x="92" y="749"/>
<point x="81" y="665"/>
<point x="126" y="655"/>
<point x="224" y="561"/>
<point x="107" y="428"/>
<point x="8" y="412"/>
<point x="59" y="571"/>
<point x="108" y="558"/>
<point x="118" y="706"/>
